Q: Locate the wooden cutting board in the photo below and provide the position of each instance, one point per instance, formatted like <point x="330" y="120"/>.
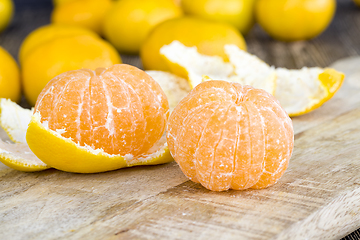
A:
<point x="317" y="198"/>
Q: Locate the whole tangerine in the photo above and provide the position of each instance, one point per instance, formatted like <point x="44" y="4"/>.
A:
<point x="10" y="86"/>
<point x="47" y="33"/>
<point x="6" y="13"/>
<point x="294" y="20"/>
<point x="129" y="22"/>
<point x="88" y="14"/>
<point x="63" y="54"/>
<point x="228" y="136"/>
<point x="239" y="13"/>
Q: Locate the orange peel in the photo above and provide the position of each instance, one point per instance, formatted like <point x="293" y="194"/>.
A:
<point x="52" y="146"/>
<point x="174" y="87"/>
<point x="14" y="120"/>
<point x="66" y="155"/>
<point x="299" y="91"/>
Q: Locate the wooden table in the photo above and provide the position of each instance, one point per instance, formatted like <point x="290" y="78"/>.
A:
<point x="317" y="198"/>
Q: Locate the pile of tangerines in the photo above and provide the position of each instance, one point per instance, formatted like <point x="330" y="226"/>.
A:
<point x="143" y="27"/>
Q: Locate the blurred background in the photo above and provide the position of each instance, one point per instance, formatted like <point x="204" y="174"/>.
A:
<point x="283" y="33"/>
<point x="340" y="39"/>
<point x="99" y="33"/>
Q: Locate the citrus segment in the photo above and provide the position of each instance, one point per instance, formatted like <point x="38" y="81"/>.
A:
<point x="247" y="167"/>
<point x="64" y="154"/>
<point x="10" y="86"/>
<point x="59" y="2"/>
<point x="174" y="87"/>
<point x="227" y="136"/>
<point x="14" y="120"/>
<point x="47" y="33"/>
<point x="209" y="37"/>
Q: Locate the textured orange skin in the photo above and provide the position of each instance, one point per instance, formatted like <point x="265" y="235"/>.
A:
<point x="227" y="136"/>
<point x="121" y="110"/>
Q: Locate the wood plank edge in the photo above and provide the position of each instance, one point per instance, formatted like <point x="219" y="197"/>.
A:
<point x="334" y="221"/>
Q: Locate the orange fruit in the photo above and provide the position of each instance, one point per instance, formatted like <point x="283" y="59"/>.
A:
<point x="209" y="37"/>
<point x="6" y="13"/>
<point x="10" y="86"/>
<point x="62" y="54"/>
<point x="357" y="2"/>
<point x="121" y="110"/>
<point x="129" y="22"/>
<point x="228" y="136"/>
<point x="83" y="13"/>
<point x="292" y="20"/>
<point x="239" y="13"/>
<point x="47" y="33"/>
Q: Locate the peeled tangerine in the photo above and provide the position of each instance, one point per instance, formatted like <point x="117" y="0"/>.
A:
<point x="228" y="136"/>
<point x="93" y="121"/>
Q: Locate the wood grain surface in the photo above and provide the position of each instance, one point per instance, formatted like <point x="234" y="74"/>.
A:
<point x="317" y="198"/>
